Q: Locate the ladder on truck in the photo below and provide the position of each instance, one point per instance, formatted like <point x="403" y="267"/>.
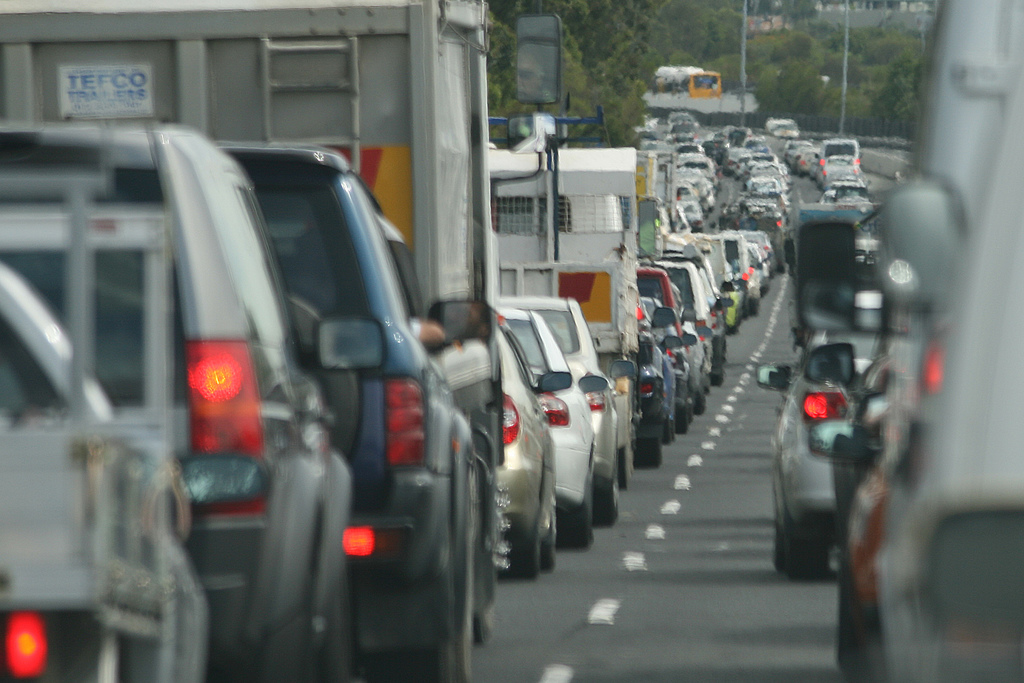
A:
<point x="93" y="508"/>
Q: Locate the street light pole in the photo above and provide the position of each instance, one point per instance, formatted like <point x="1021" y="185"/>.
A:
<point x="743" y="68"/>
<point x="846" y="60"/>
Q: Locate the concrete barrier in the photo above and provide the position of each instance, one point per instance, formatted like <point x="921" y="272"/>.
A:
<point x="884" y="163"/>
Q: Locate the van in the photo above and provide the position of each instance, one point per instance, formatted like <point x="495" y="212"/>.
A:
<point x="833" y="146"/>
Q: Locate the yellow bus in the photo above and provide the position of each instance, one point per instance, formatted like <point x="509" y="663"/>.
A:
<point x="705" y="84"/>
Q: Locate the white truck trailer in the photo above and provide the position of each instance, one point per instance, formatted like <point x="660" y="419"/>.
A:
<point x="592" y="257"/>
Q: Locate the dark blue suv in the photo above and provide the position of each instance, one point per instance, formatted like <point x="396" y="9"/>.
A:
<point x="419" y="545"/>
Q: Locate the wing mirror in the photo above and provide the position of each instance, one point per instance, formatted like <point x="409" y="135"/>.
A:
<point x="691" y="339"/>
<point x="622" y="368"/>
<point x="830" y="363"/>
<point x="842" y="441"/>
<point x="663" y="317"/>
<point x="463" y="320"/>
<point x="593" y="384"/>
<point x="671" y="341"/>
<point x="689" y="315"/>
<point x="553" y="381"/>
<point x="774" y="377"/>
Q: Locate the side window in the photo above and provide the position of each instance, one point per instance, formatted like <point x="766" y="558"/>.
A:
<point x="25" y="391"/>
<point x="248" y="258"/>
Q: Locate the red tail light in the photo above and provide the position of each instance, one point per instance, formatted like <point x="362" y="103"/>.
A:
<point x="26" y="645"/>
<point x="824" y="405"/>
<point x="510" y="422"/>
<point x="359" y="541"/>
<point x="596" y="401"/>
<point x="403" y="422"/>
<point x="639" y="313"/>
<point x="556" y="410"/>
<point x="224" y="399"/>
<point x="646" y="389"/>
<point x="821" y="162"/>
<point x="934" y="368"/>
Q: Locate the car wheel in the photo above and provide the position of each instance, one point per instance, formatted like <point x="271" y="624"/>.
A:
<point x="700" y="403"/>
<point x="606" y="502"/>
<point x="576" y="527"/>
<point x="684" y="416"/>
<point x="524" y="559"/>
<point x="718" y="378"/>
<point x="806" y="558"/>
<point x="779" y="550"/>
<point x="648" y="453"/>
<point x="549" y="542"/>
<point x="668" y="430"/>
<point x="623" y="468"/>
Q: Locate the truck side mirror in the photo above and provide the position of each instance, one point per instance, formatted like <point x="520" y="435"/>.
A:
<point x="622" y="368"/>
<point x="539" y="59"/>
<point x="350" y="344"/>
<point x="663" y="317"/>
<point x="830" y="363"/>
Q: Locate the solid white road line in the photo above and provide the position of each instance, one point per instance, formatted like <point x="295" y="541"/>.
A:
<point x="557" y="673"/>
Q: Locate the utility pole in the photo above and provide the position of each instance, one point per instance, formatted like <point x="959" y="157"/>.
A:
<point x="846" y="60"/>
<point x="743" y="68"/>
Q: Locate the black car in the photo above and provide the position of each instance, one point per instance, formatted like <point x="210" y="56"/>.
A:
<point x="424" y="517"/>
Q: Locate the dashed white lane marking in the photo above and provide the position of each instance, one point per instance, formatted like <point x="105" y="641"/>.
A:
<point x="722" y="419"/>
<point x="738" y="390"/>
<point x="557" y="673"/>
<point x="750" y="366"/>
<point x="708" y="446"/>
<point x="603" y="612"/>
<point x="682" y="483"/>
<point x="728" y="409"/>
<point x="721" y="547"/>
<point x="671" y="507"/>
<point x="695" y="461"/>
<point x="731" y="399"/>
<point x="714" y="431"/>
<point x="634" y="562"/>
<point x="655" y="532"/>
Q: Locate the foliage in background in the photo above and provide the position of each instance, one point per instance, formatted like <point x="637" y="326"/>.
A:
<point x="612" y="48"/>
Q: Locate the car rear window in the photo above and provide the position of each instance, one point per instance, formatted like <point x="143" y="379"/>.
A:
<point x="564" y="328"/>
<point x="650" y="287"/>
<point x="840" y="148"/>
<point x="311" y="240"/>
<point x="681" y="278"/>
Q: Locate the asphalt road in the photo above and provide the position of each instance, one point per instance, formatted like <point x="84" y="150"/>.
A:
<point x="682" y="588"/>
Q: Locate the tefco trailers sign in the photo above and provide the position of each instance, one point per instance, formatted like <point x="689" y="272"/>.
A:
<point x="105" y="91"/>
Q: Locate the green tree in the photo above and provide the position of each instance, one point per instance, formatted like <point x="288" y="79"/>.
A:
<point x="899" y="95"/>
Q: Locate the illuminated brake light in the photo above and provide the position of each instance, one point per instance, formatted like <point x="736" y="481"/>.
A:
<point x="359" y="541"/>
<point x="403" y="422"/>
<point x="639" y="313"/>
<point x="824" y="405"/>
<point x="510" y="422"/>
<point x="646" y="389"/>
<point x="26" y="645"/>
<point x="224" y="400"/>
<point x="556" y="410"/>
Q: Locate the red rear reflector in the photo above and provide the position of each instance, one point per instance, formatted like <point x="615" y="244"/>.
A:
<point x="510" y="422"/>
<point x="224" y="399"/>
<point x="26" y="645"/>
<point x="934" y="368"/>
<point x="556" y="410"/>
<point x="359" y="541"/>
<point x="403" y="422"/>
<point x="824" y="405"/>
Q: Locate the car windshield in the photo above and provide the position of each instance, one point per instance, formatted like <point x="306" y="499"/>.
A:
<point x="649" y="287"/>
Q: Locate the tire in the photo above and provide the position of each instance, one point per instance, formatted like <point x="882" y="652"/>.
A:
<point x="606" y="502"/>
<point x="525" y="556"/>
<point x="549" y="542"/>
<point x="648" y="453"/>
<point x="806" y="558"/>
<point x="700" y="403"/>
<point x="718" y="378"/>
<point x="684" y="416"/>
<point x="779" y="550"/>
<point x="576" y="527"/>
<point x="668" y="430"/>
